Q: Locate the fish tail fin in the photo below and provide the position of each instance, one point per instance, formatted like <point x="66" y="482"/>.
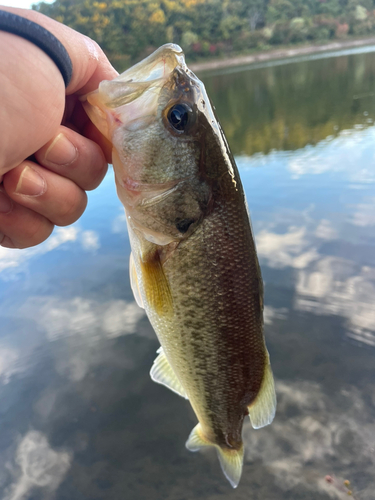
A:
<point x="263" y="410"/>
<point x="230" y="460"/>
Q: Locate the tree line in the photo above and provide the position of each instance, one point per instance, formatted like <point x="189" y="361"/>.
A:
<point x="127" y="30"/>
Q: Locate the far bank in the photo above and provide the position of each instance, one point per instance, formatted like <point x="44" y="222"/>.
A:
<point x="282" y="53"/>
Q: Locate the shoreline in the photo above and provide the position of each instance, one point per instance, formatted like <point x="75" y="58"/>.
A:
<point x="285" y="53"/>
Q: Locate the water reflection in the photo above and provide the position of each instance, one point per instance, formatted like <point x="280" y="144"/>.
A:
<point x="80" y="417"/>
<point x="287" y="107"/>
<point x="37" y="465"/>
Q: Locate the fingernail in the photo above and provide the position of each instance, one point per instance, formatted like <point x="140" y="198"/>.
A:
<point x="61" y="151"/>
<point x="6" y="204"/>
<point x="31" y="183"/>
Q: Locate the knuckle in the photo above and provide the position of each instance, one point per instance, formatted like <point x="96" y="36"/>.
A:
<point x="36" y="232"/>
<point x="96" y="177"/>
<point x="72" y="208"/>
<point x="94" y="166"/>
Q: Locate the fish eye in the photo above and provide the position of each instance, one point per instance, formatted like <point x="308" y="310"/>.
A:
<point x="178" y="116"/>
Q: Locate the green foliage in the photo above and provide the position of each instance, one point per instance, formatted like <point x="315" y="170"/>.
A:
<point x="127" y="30"/>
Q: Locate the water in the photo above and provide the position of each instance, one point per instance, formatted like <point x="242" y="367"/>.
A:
<point x="81" y="419"/>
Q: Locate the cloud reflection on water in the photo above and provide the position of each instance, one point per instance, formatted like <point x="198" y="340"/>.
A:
<point x="324" y="284"/>
<point x="85" y="321"/>
<point x="37" y="465"/>
<point x="327" y="241"/>
<point x="364" y="213"/>
<point x="335" y="286"/>
<point x="11" y="259"/>
<point x="312" y="435"/>
<point x="119" y="223"/>
<point x="351" y="153"/>
<point x="82" y="316"/>
<point x="287" y="249"/>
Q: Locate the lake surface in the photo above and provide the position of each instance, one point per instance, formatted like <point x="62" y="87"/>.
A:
<point x="80" y="418"/>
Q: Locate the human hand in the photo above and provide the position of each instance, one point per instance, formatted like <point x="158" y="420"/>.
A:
<point x="50" y="153"/>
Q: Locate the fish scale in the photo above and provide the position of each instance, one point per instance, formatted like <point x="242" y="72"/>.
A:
<point x="194" y="266"/>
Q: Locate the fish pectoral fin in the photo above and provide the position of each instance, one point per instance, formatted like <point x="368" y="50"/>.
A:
<point x="263" y="410"/>
<point x="162" y="373"/>
<point x="231" y="460"/>
<point x="134" y="282"/>
<point x="156" y="286"/>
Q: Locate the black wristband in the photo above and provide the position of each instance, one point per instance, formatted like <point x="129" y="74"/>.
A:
<point x="12" y="23"/>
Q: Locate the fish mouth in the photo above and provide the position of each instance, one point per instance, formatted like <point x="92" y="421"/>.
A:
<point x="145" y="93"/>
<point x="159" y="65"/>
<point x="151" y="73"/>
<point x="131" y="99"/>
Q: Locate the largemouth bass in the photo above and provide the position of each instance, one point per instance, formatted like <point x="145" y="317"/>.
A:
<point x="194" y="266"/>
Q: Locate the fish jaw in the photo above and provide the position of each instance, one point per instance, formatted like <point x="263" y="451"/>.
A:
<point x="110" y="105"/>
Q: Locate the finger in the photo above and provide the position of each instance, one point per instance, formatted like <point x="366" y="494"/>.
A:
<point x="71" y="155"/>
<point x="93" y="133"/>
<point x="21" y="227"/>
<point x="58" y="199"/>
<point x="78" y="119"/>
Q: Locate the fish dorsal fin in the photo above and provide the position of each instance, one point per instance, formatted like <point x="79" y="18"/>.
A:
<point x="156" y="286"/>
<point x="134" y="282"/>
<point x="231" y="460"/>
<point x="263" y="410"/>
<point x="162" y="373"/>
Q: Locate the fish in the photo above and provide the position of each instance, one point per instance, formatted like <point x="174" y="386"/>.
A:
<point x="193" y="265"/>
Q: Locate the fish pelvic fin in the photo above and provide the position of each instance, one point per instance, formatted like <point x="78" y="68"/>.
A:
<point x="231" y="460"/>
<point x="162" y="373"/>
<point x="263" y="409"/>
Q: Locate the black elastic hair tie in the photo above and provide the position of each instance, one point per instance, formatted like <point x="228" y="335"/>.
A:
<point x="12" y="23"/>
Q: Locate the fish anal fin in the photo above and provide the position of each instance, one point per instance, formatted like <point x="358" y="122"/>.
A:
<point x="263" y="409"/>
<point x="231" y="460"/>
<point x="156" y="286"/>
<point x="162" y="373"/>
<point x="197" y="439"/>
<point x="134" y="282"/>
